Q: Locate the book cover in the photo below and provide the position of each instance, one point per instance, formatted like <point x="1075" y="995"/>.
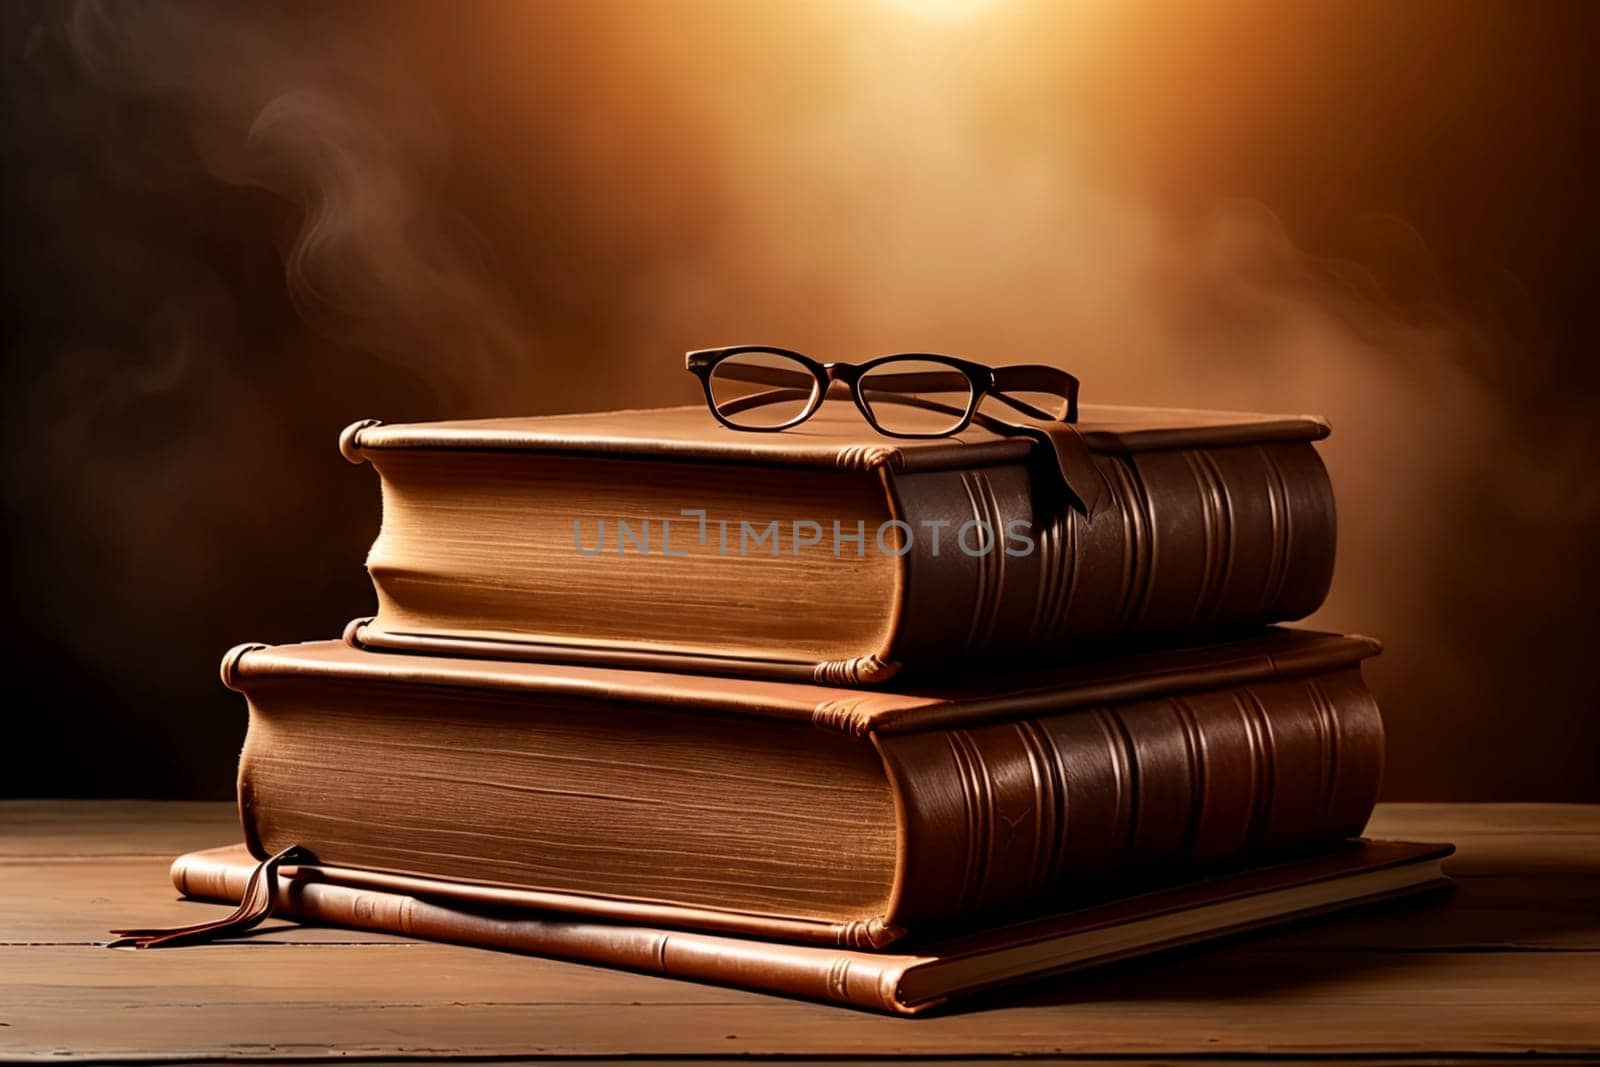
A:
<point x="806" y="812"/>
<point x="659" y="539"/>
<point x="910" y="980"/>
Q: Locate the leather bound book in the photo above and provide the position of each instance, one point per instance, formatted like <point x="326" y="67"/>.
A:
<point x="659" y="539"/>
<point x="912" y="979"/>
<point x="804" y="812"/>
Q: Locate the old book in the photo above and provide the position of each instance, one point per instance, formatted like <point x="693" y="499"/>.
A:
<point x="660" y="539"/>
<point x="797" y="811"/>
<point x="911" y="979"/>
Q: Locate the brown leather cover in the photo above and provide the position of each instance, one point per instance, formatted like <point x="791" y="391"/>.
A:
<point x="831" y="438"/>
<point x="1203" y="521"/>
<point x="898" y="983"/>
<point x="1006" y="789"/>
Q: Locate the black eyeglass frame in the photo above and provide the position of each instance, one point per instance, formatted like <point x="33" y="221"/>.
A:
<point x="982" y="380"/>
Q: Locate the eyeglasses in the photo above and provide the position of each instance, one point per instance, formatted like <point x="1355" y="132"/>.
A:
<point x="914" y="394"/>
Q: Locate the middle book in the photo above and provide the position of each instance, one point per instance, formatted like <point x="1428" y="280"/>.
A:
<point x="798" y="811"/>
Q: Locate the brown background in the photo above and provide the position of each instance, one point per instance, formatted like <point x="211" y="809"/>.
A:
<point x="228" y="231"/>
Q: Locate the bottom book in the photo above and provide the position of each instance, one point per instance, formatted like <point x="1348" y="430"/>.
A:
<point x="912" y="979"/>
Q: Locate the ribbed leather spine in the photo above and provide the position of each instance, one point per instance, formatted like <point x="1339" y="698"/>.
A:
<point x="1043" y="808"/>
<point x="1189" y="541"/>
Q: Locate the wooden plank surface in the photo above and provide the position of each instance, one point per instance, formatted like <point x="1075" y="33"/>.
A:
<point x="1506" y="967"/>
<point x="92" y="829"/>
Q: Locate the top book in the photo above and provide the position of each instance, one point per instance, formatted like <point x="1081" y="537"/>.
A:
<point x="658" y="538"/>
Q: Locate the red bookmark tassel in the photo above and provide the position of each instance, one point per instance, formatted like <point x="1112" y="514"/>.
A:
<point x="256" y="904"/>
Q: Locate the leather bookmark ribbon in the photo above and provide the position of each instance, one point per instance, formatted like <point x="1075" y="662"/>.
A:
<point x="260" y="892"/>
<point x="1085" y="487"/>
<point x="1066" y="456"/>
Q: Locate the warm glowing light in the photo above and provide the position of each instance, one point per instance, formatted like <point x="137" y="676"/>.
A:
<point x="943" y="10"/>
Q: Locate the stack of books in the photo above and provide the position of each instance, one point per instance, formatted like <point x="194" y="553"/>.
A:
<point x="822" y="712"/>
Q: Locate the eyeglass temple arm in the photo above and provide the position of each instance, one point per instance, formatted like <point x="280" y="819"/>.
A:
<point x="1037" y="378"/>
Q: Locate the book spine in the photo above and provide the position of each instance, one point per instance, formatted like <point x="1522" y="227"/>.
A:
<point x="818" y="974"/>
<point x="1188" y="540"/>
<point x="1044" y="808"/>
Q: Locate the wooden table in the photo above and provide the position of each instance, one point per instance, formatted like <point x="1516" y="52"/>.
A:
<point x="1506" y="967"/>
